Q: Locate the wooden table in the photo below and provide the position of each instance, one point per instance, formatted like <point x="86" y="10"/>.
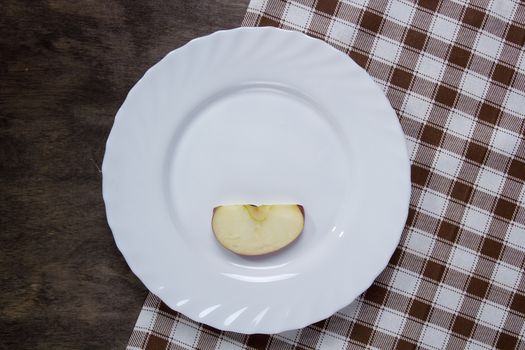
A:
<point x="65" y="68"/>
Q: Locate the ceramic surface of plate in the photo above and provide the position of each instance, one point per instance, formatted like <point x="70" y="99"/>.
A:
<point x="256" y="116"/>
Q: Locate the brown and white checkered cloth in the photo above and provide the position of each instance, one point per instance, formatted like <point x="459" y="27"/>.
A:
<point x="455" y="74"/>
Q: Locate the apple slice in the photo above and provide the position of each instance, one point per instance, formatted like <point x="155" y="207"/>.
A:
<point x="257" y="230"/>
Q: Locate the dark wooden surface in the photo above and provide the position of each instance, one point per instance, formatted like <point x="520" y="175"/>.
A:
<point x="65" y="68"/>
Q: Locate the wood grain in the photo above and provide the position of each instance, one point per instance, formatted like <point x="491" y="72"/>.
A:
<point x="65" y="68"/>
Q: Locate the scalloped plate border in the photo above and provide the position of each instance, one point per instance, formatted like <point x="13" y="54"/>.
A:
<point x="202" y="289"/>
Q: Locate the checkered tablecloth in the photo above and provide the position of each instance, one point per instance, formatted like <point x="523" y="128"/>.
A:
<point x="455" y="74"/>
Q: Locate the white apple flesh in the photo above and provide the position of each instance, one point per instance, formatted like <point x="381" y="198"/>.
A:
<point x="257" y="230"/>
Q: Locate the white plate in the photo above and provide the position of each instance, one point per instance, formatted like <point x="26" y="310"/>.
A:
<point x="256" y="115"/>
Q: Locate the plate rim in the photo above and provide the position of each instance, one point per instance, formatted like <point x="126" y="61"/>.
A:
<point x="142" y="278"/>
